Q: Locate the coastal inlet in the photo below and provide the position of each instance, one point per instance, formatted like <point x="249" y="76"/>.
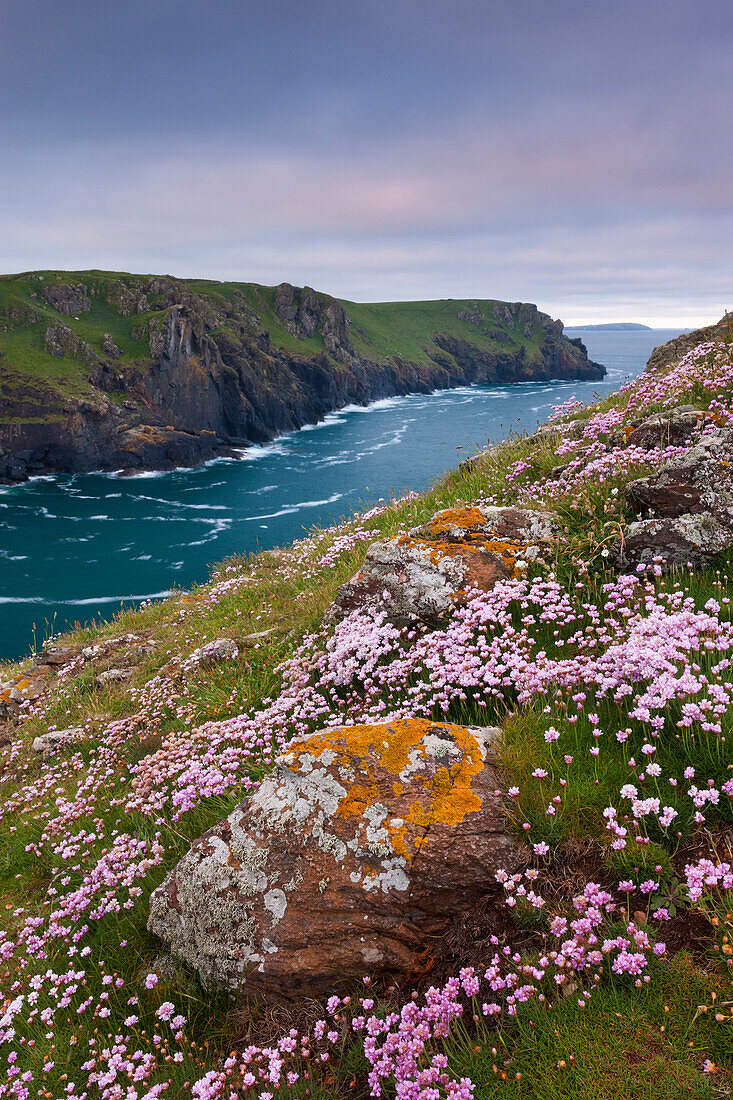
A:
<point x="74" y="547"/>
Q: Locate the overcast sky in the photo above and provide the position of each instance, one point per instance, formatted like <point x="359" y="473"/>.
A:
<point x="574" y="154"/>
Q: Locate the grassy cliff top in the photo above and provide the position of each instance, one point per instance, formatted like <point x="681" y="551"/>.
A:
<point x="93" y="303"/>
<point x="608" y="972"/>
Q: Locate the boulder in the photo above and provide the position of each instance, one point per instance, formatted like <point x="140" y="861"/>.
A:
<point x="56" y="656"/>
<point x="692" y="496"/>
<point x="113" y="676"/>
<point x="213" y="653"/>
<point x="699" y="480"/>
<point x="362" y="842"/>
<point x="673" y="429"/>
<point x="682" y="540"/>
<point x="426" y="573"/>
<point x="48" y="743"/>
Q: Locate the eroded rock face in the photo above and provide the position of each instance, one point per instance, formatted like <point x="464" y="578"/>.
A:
<point x="425" y="574"/>
<point x="692" y="498"/>
<point x="67" y="298"/>
<point x="361" y="842"/>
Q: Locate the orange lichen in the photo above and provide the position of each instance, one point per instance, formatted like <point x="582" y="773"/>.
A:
<point x="358" y="799"/>
<point x="446" y="796"/>
<point x="466" y="519"/>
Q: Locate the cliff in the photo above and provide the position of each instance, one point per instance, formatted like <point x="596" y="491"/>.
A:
<point x="676" y="349"/>
<point x="101" y="370"/>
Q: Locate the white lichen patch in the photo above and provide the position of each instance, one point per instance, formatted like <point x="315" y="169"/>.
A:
<point x="371" y="955"/>
<point x="275" y="902"/>
<point x="393" y="876"/>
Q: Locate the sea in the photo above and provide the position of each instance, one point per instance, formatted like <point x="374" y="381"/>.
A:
<point x="74" y="548"/>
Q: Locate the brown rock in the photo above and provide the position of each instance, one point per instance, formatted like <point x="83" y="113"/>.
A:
<point x="678" y="540"/>
<point x="700" y="480"/>
<point x="363" y="841"/>
<point x="425" y="574"/>
<point x="669" y="430"/>
<point x="57" y="655"/>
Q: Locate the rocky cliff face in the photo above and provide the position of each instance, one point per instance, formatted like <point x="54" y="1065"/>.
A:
<point x="673" y="350"/>
<point x="213" y="371"/>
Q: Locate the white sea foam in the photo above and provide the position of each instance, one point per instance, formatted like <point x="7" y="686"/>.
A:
<point x="292" y="508"/>
<point x="91" y="600"/>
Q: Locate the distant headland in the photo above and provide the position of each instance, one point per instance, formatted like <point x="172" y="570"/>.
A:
<point x="614" y="326"/>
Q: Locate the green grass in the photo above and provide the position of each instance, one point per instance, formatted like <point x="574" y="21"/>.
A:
<point x="623" y="1045"/>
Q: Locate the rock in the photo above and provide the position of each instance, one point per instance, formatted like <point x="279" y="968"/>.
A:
<point x="679" y="540"/>
<point x="59" y="341"/>
<point x="668" y="430"/>
<point x="49" y="742"/>
<point x="692" y="496"/>
<point x="699" y="480"/>
<point x="140" y="653"/>
<point x="67" y="298"/>
<point x="249" y="641"/>
<point x="363" y="841"/>
<point x="675" y="349"/>
<point x="56" y="655"/>
<point x="126" y="300"/>
<point x="473" y="463"/>
<point x="213" y="653"/>
<point x="113" y="676"/>
<point x="425" y="574"/>
<point x="109" y="347"/>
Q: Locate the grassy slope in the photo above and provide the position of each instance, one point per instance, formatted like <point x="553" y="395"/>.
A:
<point x="623" y="1045"/>
<point x="380" y="331"/>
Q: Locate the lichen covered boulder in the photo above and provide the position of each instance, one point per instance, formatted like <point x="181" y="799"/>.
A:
<point x="691" y="498"/>
<point x="699" y="480"/>
<point x="670" y="429"/>
<point x="679" y="540"/>
<point x="425" y="574"/>
<point x="362" y="842"/>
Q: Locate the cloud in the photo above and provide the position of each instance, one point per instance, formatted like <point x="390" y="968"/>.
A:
<point x="573" y="154"/>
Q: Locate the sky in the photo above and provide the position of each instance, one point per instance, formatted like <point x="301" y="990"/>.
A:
<point x="578" y="155"/>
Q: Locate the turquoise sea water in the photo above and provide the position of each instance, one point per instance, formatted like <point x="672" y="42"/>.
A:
<point x="75" y="547"/>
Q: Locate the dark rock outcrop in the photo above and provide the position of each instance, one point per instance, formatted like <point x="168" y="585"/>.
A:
<point x="360" y="844"/>
<point x="672" y="429"/>
<point x="67" y="298"/>
<point x="691" y="498"/>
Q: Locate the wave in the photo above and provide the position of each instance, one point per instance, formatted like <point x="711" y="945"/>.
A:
<point x="260" y="450"/>
<point x="292" y="508"/>
<point x="87" y="602"/>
